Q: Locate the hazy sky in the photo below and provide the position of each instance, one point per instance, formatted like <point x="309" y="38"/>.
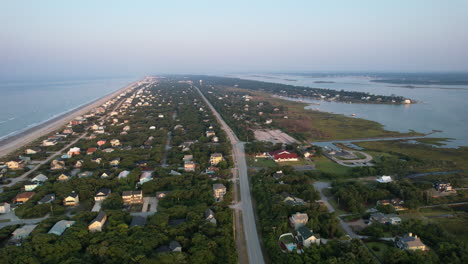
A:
<point x="111" y="38"/>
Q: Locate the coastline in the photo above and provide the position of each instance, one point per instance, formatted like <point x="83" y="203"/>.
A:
<point x="13" y="142"/>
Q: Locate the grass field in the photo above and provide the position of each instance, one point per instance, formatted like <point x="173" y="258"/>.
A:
<point x="379" y="248"/>
<point x="447" y="158"/>
<point x="260" y="162"/>
<point x="325" y="165"/>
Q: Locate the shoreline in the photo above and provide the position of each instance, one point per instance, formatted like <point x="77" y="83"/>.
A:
<point x="14" y="142"/>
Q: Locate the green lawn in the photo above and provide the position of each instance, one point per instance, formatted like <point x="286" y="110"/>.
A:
<point x="260" y="162"/>
<point x="379" y="248"/>
<point x="326" y="165"/>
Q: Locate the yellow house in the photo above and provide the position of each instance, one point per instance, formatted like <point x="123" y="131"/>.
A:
<point x="63" y="177"/>
<point x="216" y="158"/>
<point x="71" y="200"/>
<point x="98" y="222"/>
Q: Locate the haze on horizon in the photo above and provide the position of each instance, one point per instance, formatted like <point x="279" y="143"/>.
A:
<point x="69" y="39"/>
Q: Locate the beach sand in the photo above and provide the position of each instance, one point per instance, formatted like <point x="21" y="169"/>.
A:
<point x="14" y="142"/>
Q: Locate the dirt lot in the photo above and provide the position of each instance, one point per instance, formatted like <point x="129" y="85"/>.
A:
<point x="274" y="136"/>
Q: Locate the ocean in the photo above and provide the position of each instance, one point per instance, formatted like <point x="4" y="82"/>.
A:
<point x="27" y="104"/>
<point x="439" y="107"/>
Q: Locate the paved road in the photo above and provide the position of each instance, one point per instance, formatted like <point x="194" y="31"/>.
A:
<point x="319" y="186"/>
<point x="25" y="175"/>
<point x="14" y="220"/>
<point x="357" y="162"/>
<point x="253" y="248"/>
<point x="166" y="149"/>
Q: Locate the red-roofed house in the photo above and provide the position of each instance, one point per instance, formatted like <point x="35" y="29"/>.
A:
<point x="283" y="155"/>
<point x="91" y="151"/>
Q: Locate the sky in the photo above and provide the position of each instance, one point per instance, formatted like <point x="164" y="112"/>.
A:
<point x="79" y="39"/>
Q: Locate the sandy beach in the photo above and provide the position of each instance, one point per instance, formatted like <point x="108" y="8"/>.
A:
<point x="14" y="142"/>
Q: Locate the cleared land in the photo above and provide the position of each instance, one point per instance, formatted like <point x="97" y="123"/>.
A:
<point x="273" y="136"/>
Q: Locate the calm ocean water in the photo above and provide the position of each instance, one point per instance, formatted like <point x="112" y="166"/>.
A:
<point x="439" y="107"/>
<point x="28" y="104"/>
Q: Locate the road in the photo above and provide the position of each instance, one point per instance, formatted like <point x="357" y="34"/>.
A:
<point x="14" y="220"/>
<point x="353" y="163"/>
<point x="25" y="175"/>
<point x="252" y="242"/>
<point x="319" y="186"/>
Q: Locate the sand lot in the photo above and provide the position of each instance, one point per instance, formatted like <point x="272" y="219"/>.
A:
<point x="274" y="136"/>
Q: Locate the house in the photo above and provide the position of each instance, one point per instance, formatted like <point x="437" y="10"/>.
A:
<point x="175" y="246"/>
<point x="132" y="197"/>
<point x="384" y="179"/>
<point x="41" y="178"/>
<point x="306" y="237"/>
<point x="108" y="150"/>
<point x="98" y="222"/>
<point x="74" y="151"/>
<point x="68" y="131"/>
<point x="309" y="154"/>
<point x="126" y="128"/>
<point x="269" y="121"/>
<point x="443" y="187"/>
<point x="105" y="175"/>
<point x="49" y="142"/>
<point x="386" y="219"/>
<point x="189" y="166"/>
<point x="283" y="155"/>
<point x="138" y="221"/>
<point x="102" y="194"/>
<point x="216" y="158"/>
<point x="63" y="177"/>
<point x="60" y="227"/>
<point x="146" y="176"/>
<point x="123" y="174"/>
<point x="48" y="198"/>
<point x="101" y="142"/>
<point x="397" y="203"/>
<point x="287" y="242"/>
<point x="96" y="160"/>
<point x="115" y="162"/>
<point x="219" y="191"/>
<point x="210" y="216"/>
<point x="188" y="158"/>
<point x="21" y="233"/>
<point x="4" y="208"/>
<point x="79" y="164"/>
<point x="85" y="174"/>
<point x="410" y="242"/>
<point x="23" y="197"/>
<point x="57" y="165"/>
<point x="210" y="133"/>
<point x="90" y="151"/>
<point x="262" y="155"/>
<point x="211" y="170"/>
<point x="29" y="186"/>
<point x="15" y="164"/>
<point x="72" y="199"/>
<point x="161" y="194"/>
<point x="32" y="151"/>
<point x="115" y="142"/>
<point x="293" y="201"/>
<point x="278" y="175"/>
<point x="298" y="219"/>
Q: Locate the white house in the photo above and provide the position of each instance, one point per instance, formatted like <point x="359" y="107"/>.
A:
<point x="4" y="208"/>
<point x="384" y="179"/>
